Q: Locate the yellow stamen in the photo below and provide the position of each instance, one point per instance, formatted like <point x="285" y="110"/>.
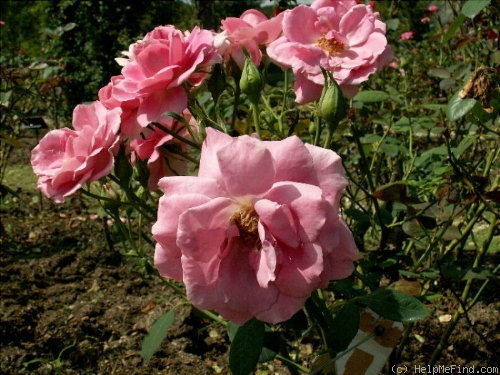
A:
<point x="332" y="46"/>
<point x="247" y="220"/>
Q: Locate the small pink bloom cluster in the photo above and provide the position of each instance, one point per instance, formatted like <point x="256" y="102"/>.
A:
<point x="160" y="70"/>
<point x="341" y="36"/>
<point x="156" y="78"/>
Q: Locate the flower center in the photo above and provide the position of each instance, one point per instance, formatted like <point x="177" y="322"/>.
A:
<point x="247" y="220"/>
<point x="332" y="46"/>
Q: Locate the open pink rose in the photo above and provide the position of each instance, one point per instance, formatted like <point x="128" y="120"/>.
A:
<point x="340" y="36"/>
<point x="250" y="31"/>
<point x="65" y="159"/>
<point x="158" y="67"/>
<point x="258" y="230"/>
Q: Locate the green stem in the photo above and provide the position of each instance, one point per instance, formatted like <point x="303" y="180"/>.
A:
<point x="402" y="343"/>
<point x="318" y="126"/>
<point x="316" y="315"/>
<point x="256" y="117"/>
<point x="292" y="364"/>
<point x="176" y="136"/>
<point x="369" y="179"/>
<point x="236" y="103"/>
<point x="284" y="103"/>
<point x="329" y="137"/>
<point x="101" y="198"/>
<point x="135" y="201"/>
<point x="467" y="230"/>
<point x="482" y="287"/>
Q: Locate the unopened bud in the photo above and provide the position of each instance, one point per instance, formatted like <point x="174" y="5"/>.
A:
<point x="332" y="105"/>
<point x="251" y="82"/>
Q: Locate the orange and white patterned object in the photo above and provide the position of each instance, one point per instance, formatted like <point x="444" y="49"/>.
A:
<point x="370" y="356"/>
<point x="368" y="351"/>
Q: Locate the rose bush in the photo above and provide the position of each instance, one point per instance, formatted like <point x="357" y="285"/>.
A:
<point x="258" y="230"/>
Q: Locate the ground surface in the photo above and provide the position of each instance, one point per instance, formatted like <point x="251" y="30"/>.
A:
<point x="70" y="304"/>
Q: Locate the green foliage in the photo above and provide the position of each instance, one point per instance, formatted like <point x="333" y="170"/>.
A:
<point x="371" y="96"/>
<point x="104" y="29"/>
<point x="23" y="31"/>
<point x="394" y="305"/>
<point x="211" y="12"/>
<point x="345" y="325"/>
<point x="156" y="334"/>
<point x="458" y="107"/>
<point x="246" y="347"/>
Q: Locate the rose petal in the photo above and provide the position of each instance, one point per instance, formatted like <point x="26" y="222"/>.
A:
<point x="242" y="175"/>
<point x="357" y="24"/>
<point x="278" y="219"/>
<point x="299" y="272"/>
<point x="305" y="203"/>
<point x="292" y="161"/>
<point x="153" y="108"/>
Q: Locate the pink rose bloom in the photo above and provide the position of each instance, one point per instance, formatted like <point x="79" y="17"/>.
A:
<point x="65" y="159"/>
<point x="252" y="30"/>
<point x="158" y="148"/>
<point x="433" y="8"/>
<point x="258" y="230"/>
<point x="341" y="36"/>
<point x="129" y="125"/>
<point x="159" y="66"/>
<point x="425" y="20"/>
<point x="407" y="35"/>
